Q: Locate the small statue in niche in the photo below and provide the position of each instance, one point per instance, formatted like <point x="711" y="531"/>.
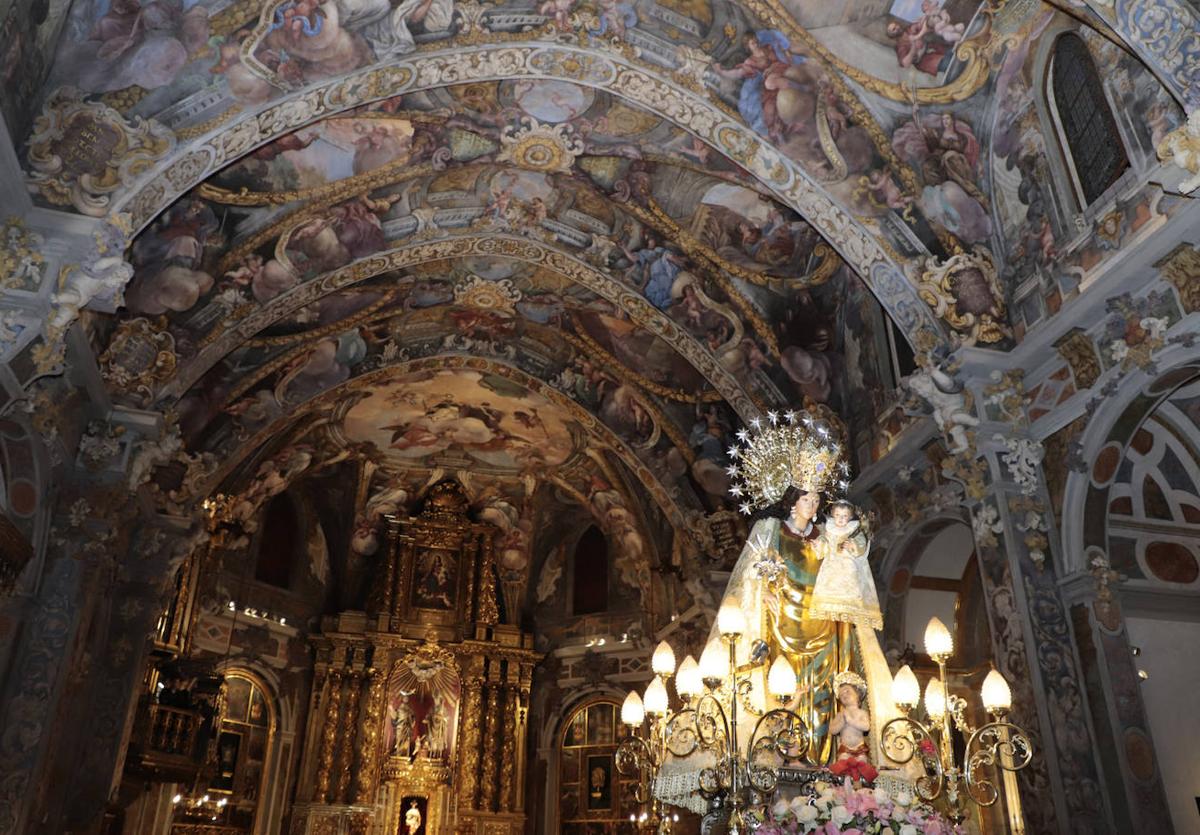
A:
<point x="412" y="818"/>
<point x="402" y="726"/>
<point x="850" y="725"/>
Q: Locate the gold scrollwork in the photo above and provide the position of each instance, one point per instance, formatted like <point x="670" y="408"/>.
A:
<point x="138" y="359"/>
<point x="965" y="292"/>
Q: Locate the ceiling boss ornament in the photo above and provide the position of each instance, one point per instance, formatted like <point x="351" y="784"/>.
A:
<point x="795" y="450"/>
<point x="539" y="147"/>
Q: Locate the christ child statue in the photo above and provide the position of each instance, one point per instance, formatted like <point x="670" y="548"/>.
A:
<point x="844" y="590"/>
<point x="850" y="725"/>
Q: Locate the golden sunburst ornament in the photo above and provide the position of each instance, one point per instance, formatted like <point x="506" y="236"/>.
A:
<point x="500" y="296"/>
<point x="795" y="450"/>
<point x="539" y="147"/>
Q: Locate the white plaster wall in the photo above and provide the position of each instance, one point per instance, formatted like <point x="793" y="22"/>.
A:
<point x="1171" y="656"/>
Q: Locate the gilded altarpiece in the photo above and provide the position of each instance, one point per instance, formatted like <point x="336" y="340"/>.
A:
<point x="417" y="721"/>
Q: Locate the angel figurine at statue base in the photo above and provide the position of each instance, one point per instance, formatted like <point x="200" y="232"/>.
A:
<point x="850" y="725"/>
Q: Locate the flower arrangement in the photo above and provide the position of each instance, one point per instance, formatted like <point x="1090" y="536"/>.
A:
<point x="846" y="810"/>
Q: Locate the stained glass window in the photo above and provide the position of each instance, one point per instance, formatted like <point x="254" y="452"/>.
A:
<point x="1087" y="123"/>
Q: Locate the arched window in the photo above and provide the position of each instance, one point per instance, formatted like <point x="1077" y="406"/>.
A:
<point x="593" y="795"/>
<point x="278" y="543"/>
<point x="230" y="801"/>
<point x="590" y="578"/>
<point x="1095" y="153"/>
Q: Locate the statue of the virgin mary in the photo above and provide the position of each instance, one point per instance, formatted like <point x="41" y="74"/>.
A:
<point x="793" y="464"/>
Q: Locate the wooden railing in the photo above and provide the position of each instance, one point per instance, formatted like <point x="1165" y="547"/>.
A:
<point x="172" y="730"/>
<point x="166" y="742"/>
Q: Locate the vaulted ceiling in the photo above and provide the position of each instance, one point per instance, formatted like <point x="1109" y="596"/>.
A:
<point x="575" y="241"/>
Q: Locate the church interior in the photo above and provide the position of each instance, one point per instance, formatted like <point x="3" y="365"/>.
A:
<point x="655" y="417"/>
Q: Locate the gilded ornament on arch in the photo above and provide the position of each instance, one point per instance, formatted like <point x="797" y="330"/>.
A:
<point x="965" y="292"/>
<point x="21" y="260"/>
<point x="499" y="296"/>
<point x="139" y="358"/>
<point x="540" y="147"/>
<point x="1077" y="348"/>
<point x="82" y="152"/>
<point x="1181" y="267"/>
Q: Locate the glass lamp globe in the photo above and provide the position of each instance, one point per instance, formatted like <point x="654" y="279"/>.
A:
<point x="632" y="711"/>
<point x="906" y="690"/>
<point x="730" y="620"/>
<point x="688" y="681"/>
<point x="714" y="662"/>
<point x="656" y="698"/>
<point x="663" y="660"/>
<point x="935" y="699"/>
<point x="939" y="643"/>
<point x="997" y="697"/>
<point x="781" y="680"/>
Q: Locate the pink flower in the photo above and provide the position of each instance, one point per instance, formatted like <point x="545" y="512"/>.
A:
<point x="861" y="802"/>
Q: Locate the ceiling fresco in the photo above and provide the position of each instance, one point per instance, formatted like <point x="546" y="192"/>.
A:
<point x="479" y="421"/>
<point x="672" y="216"/>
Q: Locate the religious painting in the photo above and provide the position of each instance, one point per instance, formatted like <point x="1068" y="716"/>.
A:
<point x="422" y="707"/>
<point x="599" y="783"/>
<point x="229" y="744"/>
<point x="600" y="724"/>
<point x="574" y="734"/>
<point x="462" y="418"/>
<point x="435" y="579"/>
<point x="906" y="44"/>
<point x="569" y="765"/>
<point x="414" y="815"/>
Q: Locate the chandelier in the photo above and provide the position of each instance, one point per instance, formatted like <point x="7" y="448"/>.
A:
<point x="711" y="694"/>
<point x="997" y="743"/>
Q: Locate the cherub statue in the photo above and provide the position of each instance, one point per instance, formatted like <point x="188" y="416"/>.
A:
<point x="844" y="590"/>
<point x="850" y="725"/>
<point x="945" y="396"/>
<point x="1182" y="146"/>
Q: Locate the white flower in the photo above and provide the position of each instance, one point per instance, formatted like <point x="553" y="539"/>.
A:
<point x="780" y="809"/>
<point x="806" y="813"/>
<point x="903" y="798"/>
<point x="820" y="787"/>
<point x="908" y="829"/>
<point x="841" y="815"/>
<point x="881" y="797"/>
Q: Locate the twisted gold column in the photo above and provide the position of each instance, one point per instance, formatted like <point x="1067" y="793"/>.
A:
<point x="328" y="737"/>
<point x="490" y="784"/>
<point x="353" y="687"/>
<point x="367" y="779"/>
<point x="468" y="774"/>
<point x="508" y="749"/>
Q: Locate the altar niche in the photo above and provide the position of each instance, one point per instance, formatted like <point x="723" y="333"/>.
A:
<point x="439" y="567"/>
<point x="424" y="697"/>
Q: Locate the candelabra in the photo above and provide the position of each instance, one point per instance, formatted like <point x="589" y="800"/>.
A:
<point x="712" y="692"/>
<point x="997" y="743"/>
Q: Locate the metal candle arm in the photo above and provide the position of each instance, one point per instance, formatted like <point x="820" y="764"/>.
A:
<point x="706" y="722"/>
<point x="996" y="744"/>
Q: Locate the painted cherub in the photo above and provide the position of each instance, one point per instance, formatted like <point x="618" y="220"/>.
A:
<point x="844" y="589"/>
<point x="850" y="725"/>
<point x="938" y="19"/>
